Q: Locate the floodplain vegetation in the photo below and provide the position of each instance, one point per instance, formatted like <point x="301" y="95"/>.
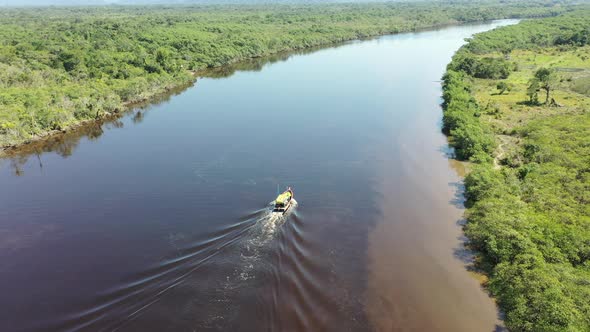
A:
<point x="61" y="66"/>
<point x="516" y="104"/>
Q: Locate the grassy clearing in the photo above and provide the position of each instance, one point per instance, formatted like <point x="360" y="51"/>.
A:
<point x="507" y="111"/>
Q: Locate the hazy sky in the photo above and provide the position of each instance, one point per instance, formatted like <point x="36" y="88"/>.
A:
<point x="98" y="2"/>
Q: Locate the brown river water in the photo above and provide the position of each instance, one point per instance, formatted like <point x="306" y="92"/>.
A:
<point x="160" y="220"/>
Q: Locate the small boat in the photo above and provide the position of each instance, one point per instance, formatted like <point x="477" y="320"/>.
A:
<point x="283" y="201"/>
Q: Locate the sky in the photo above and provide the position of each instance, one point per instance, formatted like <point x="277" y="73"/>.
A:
<point x="102" y="2"/>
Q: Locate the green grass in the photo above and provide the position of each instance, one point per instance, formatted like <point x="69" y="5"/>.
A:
<point x="571" y="93"/>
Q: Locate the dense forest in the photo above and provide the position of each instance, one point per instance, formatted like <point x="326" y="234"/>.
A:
<point x="516" y="103"/>
<point x="60" y="66"/>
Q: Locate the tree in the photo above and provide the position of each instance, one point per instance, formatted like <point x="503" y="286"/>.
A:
<point x="506" y="50"/>
<point x="69" y="60"/>
<point x="503" y="87"/>
<point x="547" y="80"/>
<point x="533" y="91"/>
<point x="488" y="67"/>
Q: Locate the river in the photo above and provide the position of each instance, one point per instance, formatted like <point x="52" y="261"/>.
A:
<point x="159" y="221"/>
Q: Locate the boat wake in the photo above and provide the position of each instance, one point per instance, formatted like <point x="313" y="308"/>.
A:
<point x="275" y="219"/>
<point x="267" y="225"/>
<point x="118" y="306"/>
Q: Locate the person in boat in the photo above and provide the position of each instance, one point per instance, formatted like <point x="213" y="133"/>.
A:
<point x="283" y="200"/>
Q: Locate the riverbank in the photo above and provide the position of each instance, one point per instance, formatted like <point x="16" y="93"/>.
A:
<point x="65" y="66"/>
<point x="37" y="141"/>
<point x="516" y="103"/>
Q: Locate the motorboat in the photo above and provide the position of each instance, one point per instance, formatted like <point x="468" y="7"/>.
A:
<point x="284" y="201"/>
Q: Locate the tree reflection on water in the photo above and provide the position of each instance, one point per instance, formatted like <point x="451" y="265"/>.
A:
<point x="64" y="144"/>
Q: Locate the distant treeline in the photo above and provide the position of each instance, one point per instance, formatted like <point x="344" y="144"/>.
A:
<point x="59" y="66"/>
<point x="528" y="210"/>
